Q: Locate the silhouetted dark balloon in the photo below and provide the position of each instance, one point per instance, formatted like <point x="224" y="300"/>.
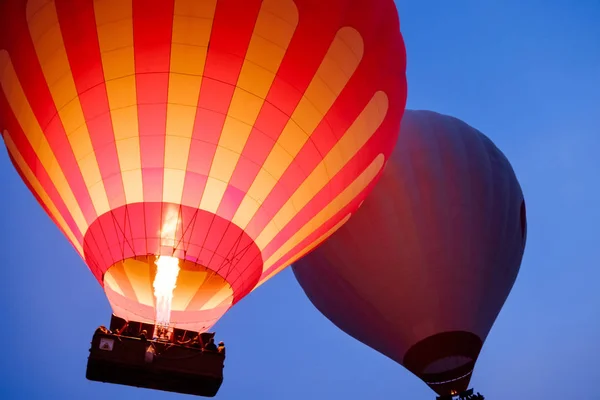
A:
<point x="423" y="268"/>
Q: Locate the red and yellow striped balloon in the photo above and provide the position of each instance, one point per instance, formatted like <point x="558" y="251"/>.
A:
<point x="234" y="135"/>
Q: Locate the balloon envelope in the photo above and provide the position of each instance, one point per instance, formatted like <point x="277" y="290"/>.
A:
<point x="229" y="134"/>
<point x="423" y="268"/>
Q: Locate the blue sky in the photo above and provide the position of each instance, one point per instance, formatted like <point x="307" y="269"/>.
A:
<point x="527" y="74"/>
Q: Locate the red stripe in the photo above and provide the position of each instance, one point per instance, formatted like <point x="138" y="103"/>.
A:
<point x="26" y="151"/>
<point x="371" y="75"/>
<point x="78" y="26"/>
<point x="136" y="223"/>
<point x="342" y="180"/>
<point x="152" y="30"/>
<point x="94" y="257"/>
<point x="340" y="215"/>
<point x="307" y="49"/>
<point x="123" y="231"/>
<point x="199" y="225"/>
<point x="232" y="197"/>
<point x="231" y="32"/>
<point x="32" y="79"/>
<point x="381" y="140"/>
<point x="153" y="222"/>
<point x="5" y="11"/>
<point x="35" y="195"/>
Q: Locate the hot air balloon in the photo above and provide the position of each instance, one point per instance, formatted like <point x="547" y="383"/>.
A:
<point x="423" y="268"/>
<point x="189" y="149"/>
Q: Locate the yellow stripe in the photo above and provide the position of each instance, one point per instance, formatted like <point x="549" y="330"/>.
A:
<point x="40" y="191"/>
<point x="275" y="26"/>
<point x="341" y="201"/>
<point x="344" y="150"/>
<point x="53" y="59"/>
<point x="115" y="33"/>
<point x="192" y="25"/>
<point x="218" y="298"/>
<point x="22" y="109"/>
<point x="305" y="250"/>
<point x="188" y="283"/>
<point x="138" y="273"/>
<point x="110" y="281"/>
<point x="338" y="66"/>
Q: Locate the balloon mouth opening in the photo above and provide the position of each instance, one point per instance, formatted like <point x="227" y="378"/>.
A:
<point x="168" y="292"/>
<point x="445" y="361"/>
<point x="467" y="375"/>
<point x="450" y="380"/>
<point x="447" y="364"/>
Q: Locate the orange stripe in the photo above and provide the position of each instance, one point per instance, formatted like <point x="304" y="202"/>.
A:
<point x="110" y="282"/>
<point x="341" y="201"/>
<point x="117" y="272"/>
<point x="17" y="100"/>
<point x="305" y="250"/>
<point x="138" y="274"/>
<point x="34" y="7"/>
<point x="188" y="284"/>
<point x="52" y="55"/>
<point x="114" y="23"/>
<point x="39" y="190"/>
<point x="78" y="27"/>
<point x="211" y="285"/>
<point x="338" y="66"/>
<point x="359" y="133"/>
<point x="192" y="25"/>
<point x="226" y="293"/>
<point x="275" y="26"/>
<point x="231" y="32"/>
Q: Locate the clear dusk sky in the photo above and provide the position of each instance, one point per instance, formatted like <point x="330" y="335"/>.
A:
<point x="524" y="72"/>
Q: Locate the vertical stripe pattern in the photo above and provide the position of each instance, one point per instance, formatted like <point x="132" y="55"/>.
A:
<point x="250" y="128"/>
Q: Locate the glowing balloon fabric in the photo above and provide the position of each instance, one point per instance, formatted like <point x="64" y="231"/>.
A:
<point x="231" y="134"/>
<point x="423" y="268"/>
